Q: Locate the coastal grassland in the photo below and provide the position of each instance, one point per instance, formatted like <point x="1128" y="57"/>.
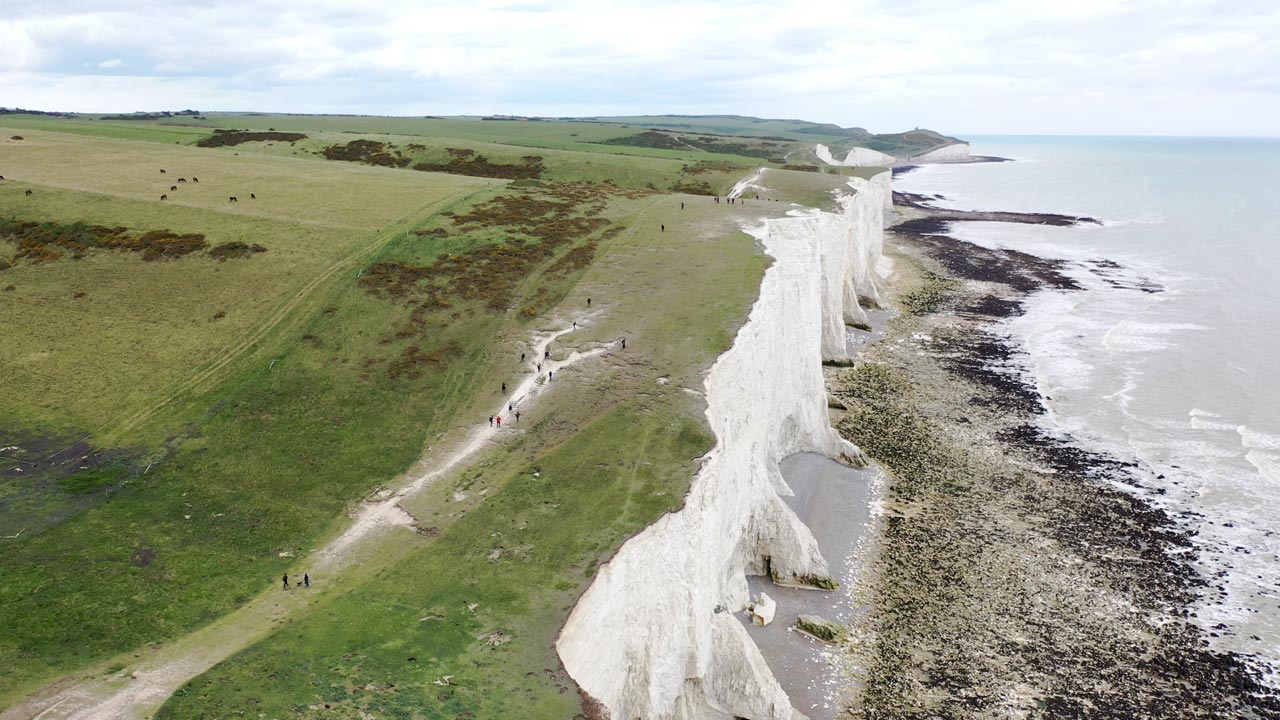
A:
<point x="482" y="595"/>
<point x="1016" y="576"/>
<point x="664" y="170"/>
<point x="92" y="126"/>
<point x="809" y="189"/>
<point x="98" y="340"/>
<point x="186" y="517"/>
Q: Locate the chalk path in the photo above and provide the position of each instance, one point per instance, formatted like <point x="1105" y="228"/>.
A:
<point x="153" y="679"/>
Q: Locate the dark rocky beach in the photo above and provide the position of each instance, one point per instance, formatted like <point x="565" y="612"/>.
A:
<point x="1017" y="576"/>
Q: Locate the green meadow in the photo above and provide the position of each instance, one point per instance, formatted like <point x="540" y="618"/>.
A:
<point x="182" y="426"/>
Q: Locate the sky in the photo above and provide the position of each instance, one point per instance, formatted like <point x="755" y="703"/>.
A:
<point x="1125" y="67"/>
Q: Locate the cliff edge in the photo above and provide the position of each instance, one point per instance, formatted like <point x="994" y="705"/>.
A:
<point x="653" y="636"/>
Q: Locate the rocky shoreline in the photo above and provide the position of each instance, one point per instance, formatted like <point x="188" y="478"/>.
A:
<point x="1017" y="576"/>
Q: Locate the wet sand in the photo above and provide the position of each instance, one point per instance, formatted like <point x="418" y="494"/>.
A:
<point x="834" y="500"/>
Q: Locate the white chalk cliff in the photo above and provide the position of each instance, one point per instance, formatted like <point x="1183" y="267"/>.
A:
<point x="654" y="636"/>
<point x="955" y="152"/>
<point x="856" y="157"/>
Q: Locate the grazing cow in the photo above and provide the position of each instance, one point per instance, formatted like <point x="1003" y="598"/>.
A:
<point x="161" y="171"/>
<point x="28" y="192"/>
<point x="252" y="196"/>
<point x="1" y="177"/>
<point x="182" y="180"/>
<point x="172" y="188"/>
<point x="164" y="197"/>
<point x="232" y="199"/>
<point x="195" y="179"/>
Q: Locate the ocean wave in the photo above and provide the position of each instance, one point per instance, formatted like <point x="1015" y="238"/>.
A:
<point x="1267" y="464"/>
<point x="1154" y="219"/>
<point x="1134" y="336"/>
<point x="1255" y="440"/>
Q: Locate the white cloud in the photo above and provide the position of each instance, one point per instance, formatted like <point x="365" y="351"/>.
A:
<point x="999" y="65"/>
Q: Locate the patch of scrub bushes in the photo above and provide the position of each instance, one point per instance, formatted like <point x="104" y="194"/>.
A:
<point x="541" y="221"/>
<point x="466" y="162"/>
<point x="705" y="143"/>
<point x="227" y="138"/>
<point x="370" y="152"/>
<point x="48" y="241"/>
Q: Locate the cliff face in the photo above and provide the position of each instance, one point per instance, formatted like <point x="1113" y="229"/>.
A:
<point x="956" y="152"/>
<point x="654" y="635"/>
<point x="856" y="157"/>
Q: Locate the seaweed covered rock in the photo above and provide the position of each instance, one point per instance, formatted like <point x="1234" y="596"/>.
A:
<point x="821" y="628"/>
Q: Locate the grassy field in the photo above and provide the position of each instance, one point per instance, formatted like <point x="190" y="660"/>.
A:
<point x="147" y="329"/>
<point x="179" y="432"/>
<point x="614" y="448"/>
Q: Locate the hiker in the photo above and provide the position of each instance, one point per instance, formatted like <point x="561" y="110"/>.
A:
<point x="681" y="206"/>
<point x="521" y="357"/>
<point x="551" y="374"/>
<point x="717" y="199"/>
<point x="539" y="367"/>
<point x="510" y="406"/>
<point x="517" y="417"/>
<point x="490" y="421"/>
<point x="306" y="580"/>
<point x="504" y="387"/>
<point x="546" y="355"/>
<point x="588" y="302"/>
<point x="285" y="581"/>
<point x="662" y="228"/>
<point x="575" y="324"/>
<point x="499" y="421"/>
<point x="624" y="343"/>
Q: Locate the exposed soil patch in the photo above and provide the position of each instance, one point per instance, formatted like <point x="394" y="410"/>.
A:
<point x="47" y="478"/>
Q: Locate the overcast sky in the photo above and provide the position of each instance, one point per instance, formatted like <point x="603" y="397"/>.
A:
<point x="1180" y="67"/>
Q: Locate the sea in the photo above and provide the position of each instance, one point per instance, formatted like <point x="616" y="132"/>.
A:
<point x="1183" y="381"/>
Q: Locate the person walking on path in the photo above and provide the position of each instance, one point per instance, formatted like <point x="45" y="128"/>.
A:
<point x="517" y="416"/>
<point x="499" y="421"/>
<point x="284" y="581"/>
<point x="546" y="355"/>
<point x="306" y="580"/>
<point x="521" y="357"/>
<point x="551" y="374"/>
<point x="504" y="387"/>
<point x="662" y="228"/>
<point x="510" y="406"/>
<point x="588" y="302"/>
<point x="624" y="343"/>
<point x="490" y="421"/>
<point x="681" y="206"/>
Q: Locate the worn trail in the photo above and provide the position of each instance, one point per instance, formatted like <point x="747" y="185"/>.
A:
<point x="151" y="680"/>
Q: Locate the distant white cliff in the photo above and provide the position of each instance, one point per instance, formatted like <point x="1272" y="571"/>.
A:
<point x="856" y="157"/>
<point x="956" y="152"/>
<point x="654" y="636"/>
